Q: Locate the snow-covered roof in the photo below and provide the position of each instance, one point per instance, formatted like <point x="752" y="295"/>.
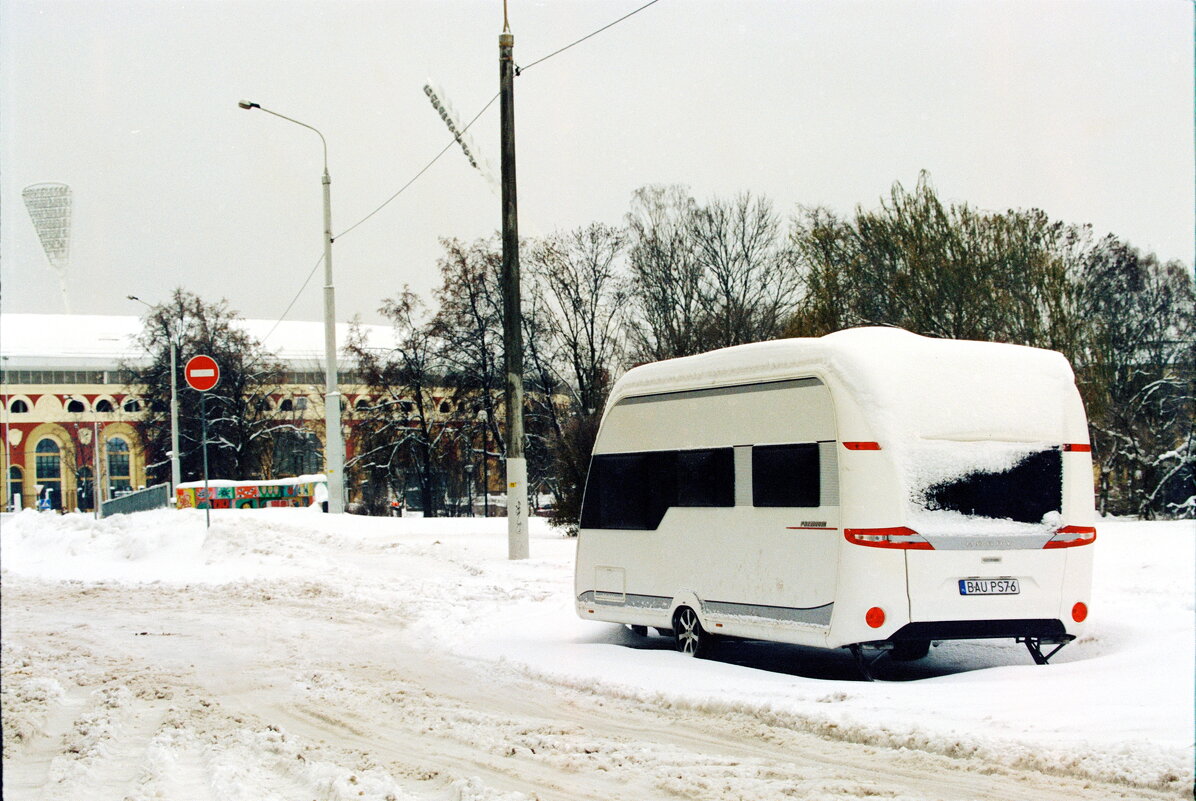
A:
<point x="909" y="385"/>
<point x="96" y="341"/>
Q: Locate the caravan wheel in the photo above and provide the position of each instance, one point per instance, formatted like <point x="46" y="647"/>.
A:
<point x="692" y="639"/>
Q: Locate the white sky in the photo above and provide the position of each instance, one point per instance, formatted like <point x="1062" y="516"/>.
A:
<point x="1083" y="109"/>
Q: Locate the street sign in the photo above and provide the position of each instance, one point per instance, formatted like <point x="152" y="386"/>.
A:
<point x="202" y="373"/>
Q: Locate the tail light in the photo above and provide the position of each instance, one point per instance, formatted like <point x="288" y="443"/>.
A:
<point x="900" y="537"/>
<point x="1071" y="536"/>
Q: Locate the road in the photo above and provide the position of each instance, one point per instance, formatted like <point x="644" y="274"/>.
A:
<point x="296" y="691"/>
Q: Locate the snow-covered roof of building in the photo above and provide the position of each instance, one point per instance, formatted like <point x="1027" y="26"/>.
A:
<point x="95" y="341"/>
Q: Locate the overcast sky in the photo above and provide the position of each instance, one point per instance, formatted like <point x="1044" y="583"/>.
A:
<point x="1082" y="109"/>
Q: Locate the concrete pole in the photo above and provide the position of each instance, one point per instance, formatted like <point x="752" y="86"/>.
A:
<point x="334" y="459"/>
<point x="517" y="534"/>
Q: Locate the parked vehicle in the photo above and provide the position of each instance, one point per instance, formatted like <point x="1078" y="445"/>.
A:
<point x="871" y="489"/>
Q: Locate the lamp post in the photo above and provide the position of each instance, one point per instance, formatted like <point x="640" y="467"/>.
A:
<point x="176" y="471"/>
<point x="334" y="450"/>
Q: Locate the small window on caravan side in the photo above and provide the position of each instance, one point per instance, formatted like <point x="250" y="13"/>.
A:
<point x="785" y="475"/>
<point x="706" y="477"/>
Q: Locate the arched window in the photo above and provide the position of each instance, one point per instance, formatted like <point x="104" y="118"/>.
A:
<point x="16" y="488"/>
<point x="18" y="407"/>
<point x="119" y="478"/>
<point x="75" y="406"/>
<point x="445" y="408"/>
<point x="84" y="490"/>
<point x="104" y="406"/>
<point x="297" y="453"/>
<point x="362" y="404"/>
<point x="49" y="474"/>
<point x="132" y="405"/>
<point x="286" y="406"/>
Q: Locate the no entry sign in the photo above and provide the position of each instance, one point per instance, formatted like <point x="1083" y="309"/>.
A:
<point x="202" y="373"/>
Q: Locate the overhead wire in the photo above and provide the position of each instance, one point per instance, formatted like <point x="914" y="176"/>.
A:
<point x="518" y="71"/>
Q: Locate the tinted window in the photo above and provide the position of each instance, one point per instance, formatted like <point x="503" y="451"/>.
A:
<point x="706" y="478"/>
<point x="1025" y="492"/>
<point x="628" y="490"/>
<point x="785" y="475"/>
<point x="634" y="490"/>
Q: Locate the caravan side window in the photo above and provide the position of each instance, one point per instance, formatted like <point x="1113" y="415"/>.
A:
<point x="706" y="477"/>
<point x="634" y="490"/>
<point x="785" y="475"/>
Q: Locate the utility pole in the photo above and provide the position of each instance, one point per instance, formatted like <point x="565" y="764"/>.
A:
<point x="517" y="536"/>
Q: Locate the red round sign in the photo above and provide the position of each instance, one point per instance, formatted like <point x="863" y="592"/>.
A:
<point x="202" y="373"/>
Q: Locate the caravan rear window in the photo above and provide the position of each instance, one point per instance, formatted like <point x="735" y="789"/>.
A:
<point x="634" y="490"/>
<point x="1024" y="493"/>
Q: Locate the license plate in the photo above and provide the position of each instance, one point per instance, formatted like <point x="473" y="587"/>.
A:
<point x="993" y="586"/>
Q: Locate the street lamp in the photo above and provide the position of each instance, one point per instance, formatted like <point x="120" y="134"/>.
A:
<point x="176" y="471"/>
<point x="334" y="459"/>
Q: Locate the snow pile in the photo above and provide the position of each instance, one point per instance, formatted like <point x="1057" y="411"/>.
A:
<point x="288" y="654"/>
<point x="161" y="546"/>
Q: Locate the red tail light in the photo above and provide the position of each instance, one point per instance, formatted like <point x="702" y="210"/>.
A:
<point x="1071" y="536"/>
<point x="862" y="446"/>
<point x="900" y="537"/>
<point x="1082" y="447"/>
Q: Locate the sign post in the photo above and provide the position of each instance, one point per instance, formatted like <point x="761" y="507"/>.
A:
<point x="203" y="374"/>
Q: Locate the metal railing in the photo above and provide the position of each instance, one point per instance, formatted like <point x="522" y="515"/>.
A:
<point x="155" y="497"/>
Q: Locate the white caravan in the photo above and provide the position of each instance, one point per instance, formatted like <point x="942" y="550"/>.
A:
<point x="872" y="489"/>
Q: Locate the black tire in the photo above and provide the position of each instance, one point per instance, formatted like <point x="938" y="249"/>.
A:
<point x="909" y="650"/>
<point x="689" y="635"/>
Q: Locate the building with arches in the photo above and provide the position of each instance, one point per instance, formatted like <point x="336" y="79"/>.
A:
<point x="70" y="421"/>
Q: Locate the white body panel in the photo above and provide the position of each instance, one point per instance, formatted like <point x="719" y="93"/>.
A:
<point x="788" y="573"/>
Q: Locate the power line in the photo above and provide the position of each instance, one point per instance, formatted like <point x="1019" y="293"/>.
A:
<point x="291" y="305"/>
<point x="457" y="137"/>
<point x="384" y="204"/>
<point x="427" y="167"/>
<point x="520" y="70"/>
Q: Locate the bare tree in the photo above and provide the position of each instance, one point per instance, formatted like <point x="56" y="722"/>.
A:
<point x="400" y="432"/>
<point x="468" y="327"/>
<point x="241" y="421"/>
<point x="581" y="297"/>
<point x="748" y="284"/>
<point x="705" y="277"/>
<point x="665" y="274"/>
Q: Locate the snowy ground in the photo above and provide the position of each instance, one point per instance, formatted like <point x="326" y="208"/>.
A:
<point x="290" y="655"/>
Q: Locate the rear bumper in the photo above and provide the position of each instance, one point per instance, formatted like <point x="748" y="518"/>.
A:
<point x="1043" y="629"/>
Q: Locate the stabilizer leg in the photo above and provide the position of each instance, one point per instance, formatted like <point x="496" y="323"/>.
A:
<point x="1034" y="646"/>
<point x="863" y="662"/>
